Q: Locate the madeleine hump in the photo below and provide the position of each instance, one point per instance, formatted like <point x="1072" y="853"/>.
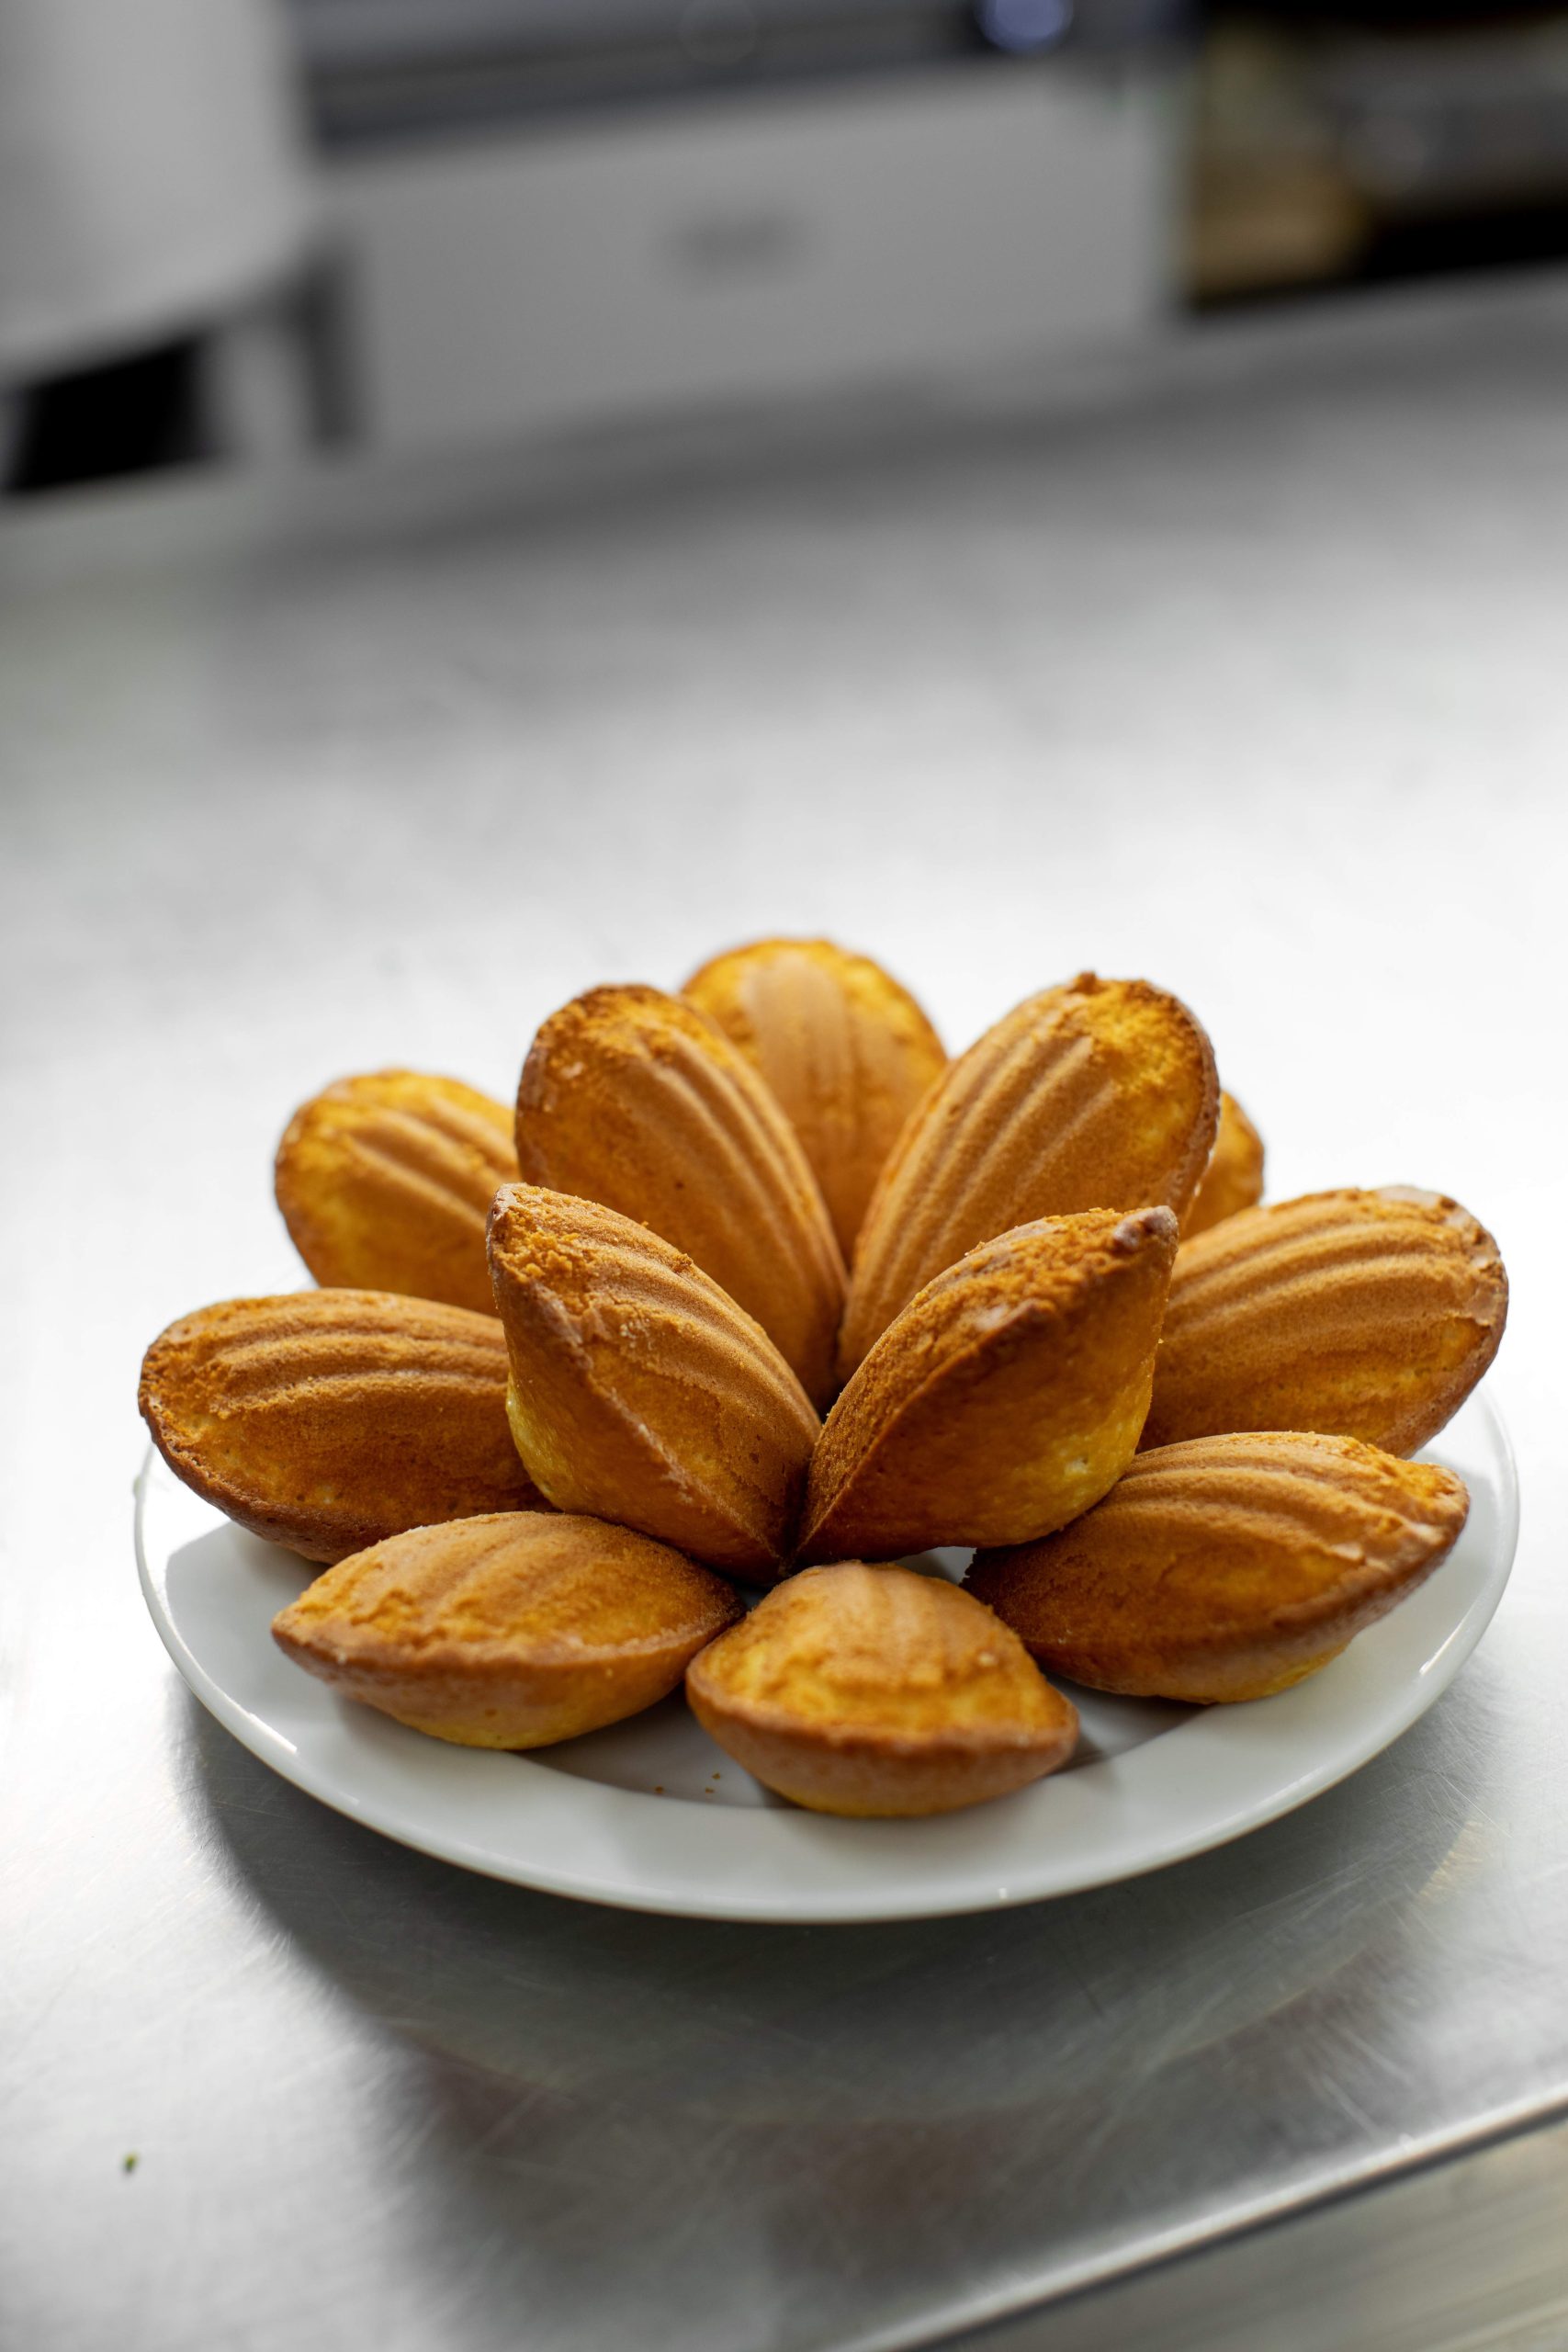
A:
<point x="845" y="1050"/>
<point x="636" y="1100"/>
<point x="1226" y="1567"/>
<point x="1360" y="1313"/>
<point x="1006" y="1398"/>
<point x="327" y="1421"/>
<point x="640" y="1392"/>
<point x="1234" y="1177"/>
<point x="509" y="1631"/>
<point x="1098" y="1095"/>
<point x="385" y="1183"/>
<point x="861" y="1690"/>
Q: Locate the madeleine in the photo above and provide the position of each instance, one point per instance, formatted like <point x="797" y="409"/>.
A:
<point x="1098" y="1095"/>
<point x="1228" y="1568"/>
<point x="385" y="1183"/>
<point x="861" y="1690"/>
<point x="845" y="1050"/>
<point x="636" y="1100"/>
<point x="328" y="1419"/>
<point x="1369" y="1315"/>
<point x="640" y="1391"/>
<point x="1004" y="1399"/>
<point x="513" y="1630"/>
<point x="1234" y="1177"/>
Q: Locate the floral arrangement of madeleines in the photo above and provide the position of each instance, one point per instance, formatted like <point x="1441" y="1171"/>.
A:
<point x="756" y="1288"/>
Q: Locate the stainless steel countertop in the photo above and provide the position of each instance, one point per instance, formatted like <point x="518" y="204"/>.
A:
<point x="1248" y="670"/>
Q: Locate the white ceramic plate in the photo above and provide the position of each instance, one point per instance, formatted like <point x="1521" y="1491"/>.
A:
<point x="652" y="1816"/>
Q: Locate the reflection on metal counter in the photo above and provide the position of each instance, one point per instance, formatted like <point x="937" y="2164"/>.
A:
<point x="1250" y="678"/>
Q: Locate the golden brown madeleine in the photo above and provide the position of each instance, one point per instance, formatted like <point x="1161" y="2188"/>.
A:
<point x="1369" y="1315"/>
<point x="875" y="1690"/>
<point x="846" y="1051"/>
<point x="636" y="1100"/>
<point x="385" y="1183"/>
<point x="1234" y="1177"/>
<point x="1005" y="1399"/>
<point x="1098" y="1095"/>
<point x="640" y="1391"/>
<point x="509" y="1631"/>
<point x="328" y="1419"/>
<point x="1228" y="1568"/>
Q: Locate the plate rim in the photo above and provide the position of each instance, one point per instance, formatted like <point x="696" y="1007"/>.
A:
<point x="864" y="1904"/>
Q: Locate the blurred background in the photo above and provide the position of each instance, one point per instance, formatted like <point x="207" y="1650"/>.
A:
<point x="240" y="231"/>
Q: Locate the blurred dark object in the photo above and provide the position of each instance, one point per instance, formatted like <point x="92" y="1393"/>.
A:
<point x="274" y="380"/>
<point x="380" y="69"/>
<point x="1374" y="142"/>
<point x="126" y="418"/>
<point x="157" y="217"/>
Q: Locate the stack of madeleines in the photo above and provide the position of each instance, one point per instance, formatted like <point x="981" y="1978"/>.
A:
<point x="754" y="1284"/>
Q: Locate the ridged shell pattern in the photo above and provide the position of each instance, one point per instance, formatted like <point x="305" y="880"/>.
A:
<point x="1226" y="1567"/>
<point x="1098" y="1095"/>
<point x="845" y="1050"/>
<point x="1363" y="1313"/>
<point x="328" y="1419"/>
<point x="509" y="1630"/>
<point x="864" y="1690"/>
<point x="641" y="1391"/>
<point x="638" y="1100"/>
<point x="539" y="1584"/>
<point x="1006" y="1398"/>
<point x="385" y="1183"/>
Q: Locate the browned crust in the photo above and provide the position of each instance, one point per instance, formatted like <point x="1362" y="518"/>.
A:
<point x="844" y="1046"/>
<point x="1006" y="1398"/>
<point x="1233" y="1179"/>
<point x="640" y="1390"/>
<point x="1226" y="1567"/>
<point x="869" y="1779"/>
<point x="326" y="1421"/>
<point x="385" y="1181"/>
<point x="1360" y="1313"/>
<point x="638" y="1100"/>
<point x="939" y="1708"/>
<point x="511" y="1629"/>
<point x="1100" y="1094"/>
